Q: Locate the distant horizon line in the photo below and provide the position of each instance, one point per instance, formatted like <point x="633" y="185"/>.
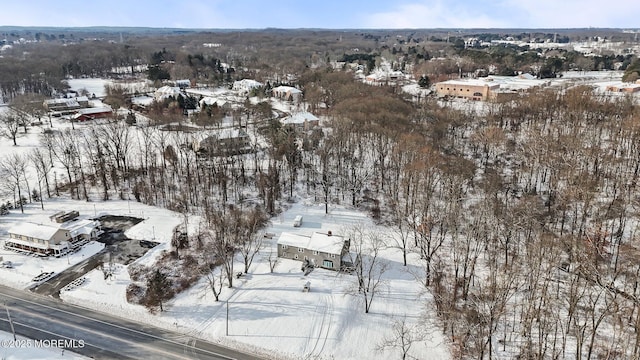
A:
<point x="120" y="27"/>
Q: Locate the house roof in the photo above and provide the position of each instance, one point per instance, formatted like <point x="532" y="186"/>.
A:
<point x="95" y="110"/>
<point x="231" y="134"/>
<point x="166" y="91"/>
<point x="67" y="101"/>
<point x="322" y="242"/>
<point x="299" y="118"/>
<point x="37" y="231"/>
<point x="30" y="243"/>
<point x="212" y="100"/>
<point x="286" y="89"/>
<point x="80" y="227"/>
<point x="246" y="84"/>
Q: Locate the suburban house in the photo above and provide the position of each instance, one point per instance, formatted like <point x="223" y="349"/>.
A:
<point x="219" y="102"/>
<point x="92" y="114"/>
<point x="223" y="143"/>
<point x="301" y="121"/>
<point x="183" y="83"/>
<point x="323" y="250"/>
<point x="288" y="93"/>
<point x="244" y="86"/>
<point x="166" y="92"/>
<point x="56" y="239"/>
<point x="82" y="231"/>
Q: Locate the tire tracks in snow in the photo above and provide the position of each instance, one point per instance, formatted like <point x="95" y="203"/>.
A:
<point x="325" y="329"/>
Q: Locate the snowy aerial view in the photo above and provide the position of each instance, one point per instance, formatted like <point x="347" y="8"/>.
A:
<point x="388" y="181"/>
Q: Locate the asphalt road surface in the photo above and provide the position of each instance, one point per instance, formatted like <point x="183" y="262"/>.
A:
<point x="52" y="286"/>
<point x="98" y="335"/>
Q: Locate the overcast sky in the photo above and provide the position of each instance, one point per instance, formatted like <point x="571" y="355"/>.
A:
<point x="330" y="14"/>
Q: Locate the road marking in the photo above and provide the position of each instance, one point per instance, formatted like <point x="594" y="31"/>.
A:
<point x="89" y="330"/>
<point x="116" y="326"/>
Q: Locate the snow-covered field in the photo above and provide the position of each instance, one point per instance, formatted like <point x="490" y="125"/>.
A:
<point x="269" y="314"/>
<point x="25" y="348"/>
<point x="95" y="86"/>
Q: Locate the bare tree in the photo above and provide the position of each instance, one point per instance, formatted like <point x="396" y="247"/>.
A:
<point x="369" y="267"/>
<point x="403" y="336"/>
<point x="10" y="125"/>
<point x="255" y="219"/>
<point x="42" y="166"/>
<point x="14" y="166"/>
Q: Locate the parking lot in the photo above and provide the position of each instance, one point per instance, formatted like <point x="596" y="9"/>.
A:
<point x="118" y="249"/>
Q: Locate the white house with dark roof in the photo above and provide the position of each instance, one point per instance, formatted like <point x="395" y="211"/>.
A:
<point x="323" y="250"/>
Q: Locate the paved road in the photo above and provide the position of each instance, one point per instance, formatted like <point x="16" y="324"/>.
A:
<point x="52" y="286"/>
<point x="104" y="336"/>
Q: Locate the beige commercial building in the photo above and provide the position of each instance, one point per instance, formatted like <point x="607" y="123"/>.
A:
<point x="472" y="89"/>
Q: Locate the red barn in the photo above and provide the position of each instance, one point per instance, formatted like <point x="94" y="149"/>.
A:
<point x="93" y="113"/>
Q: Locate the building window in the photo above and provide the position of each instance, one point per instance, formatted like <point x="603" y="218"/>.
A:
<point x="315" y="252"/>
<point x="327" y="263"/>
<point x="306" y="258"/>
<point x="295" y="256"/>
<point x="333" y="256"/>
<point x="284" y="246"/>
<point x="300" y="250"/>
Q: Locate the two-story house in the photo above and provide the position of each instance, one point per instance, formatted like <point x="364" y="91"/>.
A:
<point x="323" y="250"/>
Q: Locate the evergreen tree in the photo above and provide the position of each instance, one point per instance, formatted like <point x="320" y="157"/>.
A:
<point x="158" y="289"/>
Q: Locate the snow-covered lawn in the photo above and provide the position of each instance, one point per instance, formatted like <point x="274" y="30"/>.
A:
<point x="25" y="348"/>
<point x="270" y="315"/>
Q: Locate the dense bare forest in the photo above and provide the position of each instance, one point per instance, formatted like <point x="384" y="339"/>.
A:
<point x="524" y="213"/>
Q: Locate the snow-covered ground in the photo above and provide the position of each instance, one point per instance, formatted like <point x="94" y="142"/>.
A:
<point x="25" y="348"/>
<point x="157" y="225"/>
<point x="93" y="86"/>
<point x="96" y="85"/>
<point x="268" y="312"/>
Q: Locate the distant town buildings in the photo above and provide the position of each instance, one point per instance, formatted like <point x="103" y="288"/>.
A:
<point x="488" y="88"/>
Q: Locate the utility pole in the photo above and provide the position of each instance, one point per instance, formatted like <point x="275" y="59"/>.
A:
<point x="227" y="317"/>
<point x="13" y="331"/>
